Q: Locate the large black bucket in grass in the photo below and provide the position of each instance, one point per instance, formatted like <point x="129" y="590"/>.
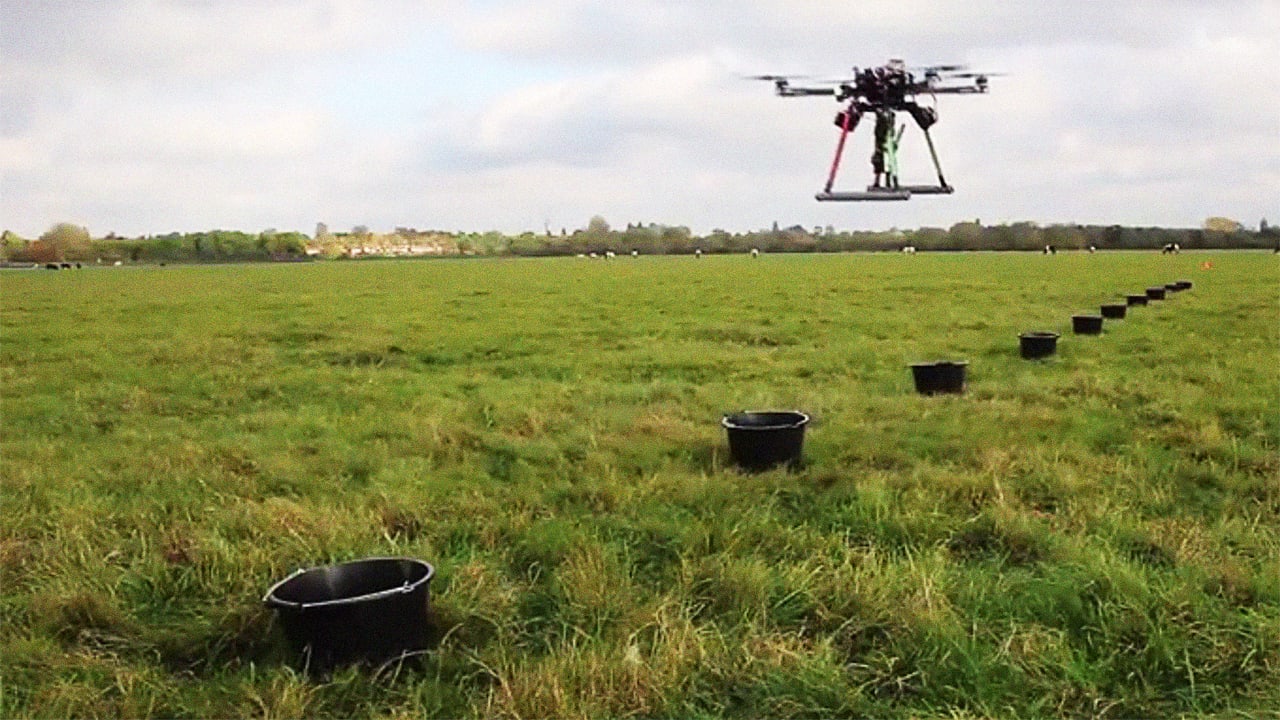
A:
<point x="942" y="377"/>
<point x="1172" y="287"/>
<point x="1155" y="293"/>
<point x="1183" y="284"/>
<point x="1086" y="324"/>
<point x="1037" y="344"/>
<point x="1132" y="300"/>
<point x="1114" y="311"/>
<point x="366" y="612"/>
<point x="760" y="440"/>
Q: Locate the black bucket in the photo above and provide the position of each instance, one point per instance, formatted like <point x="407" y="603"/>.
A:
<point x="1183" y="284"/>
<point x="1086" y="324"/>
<point x="1136" y="299"/>
<point x="1038" y="344"/>
<point x="1172" y="287"/>
<point x="1155" y="293"/>
<point x="364" y="612"/>
<point x="941" y="377"/>
<point x="763" y="440"/>
<point x="1114" y="311"/>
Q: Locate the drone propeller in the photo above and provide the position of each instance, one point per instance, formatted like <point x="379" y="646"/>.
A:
<point x="936" y="69"/>
<point x="774" y="78"/>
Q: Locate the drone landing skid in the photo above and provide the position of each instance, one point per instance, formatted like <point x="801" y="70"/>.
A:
<point x="927" y="189"/>
<point x="871" y="194"/>
<point x="902" y="192"/>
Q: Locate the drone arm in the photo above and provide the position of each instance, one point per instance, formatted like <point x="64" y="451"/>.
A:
<point x="792" y="91"/>
<point x="957" y="90"/>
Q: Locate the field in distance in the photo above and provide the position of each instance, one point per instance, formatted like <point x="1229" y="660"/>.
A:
<point x="1095" y="534"/>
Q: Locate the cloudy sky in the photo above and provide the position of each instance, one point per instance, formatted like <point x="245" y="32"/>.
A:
<point x="146" y="116"/>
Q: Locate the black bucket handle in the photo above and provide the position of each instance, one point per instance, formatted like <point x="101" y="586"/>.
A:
<point x="271" y="601"/>
<point x="802" y="420"/>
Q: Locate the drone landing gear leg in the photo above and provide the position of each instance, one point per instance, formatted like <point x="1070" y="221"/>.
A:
<point x="850" y="121"/>
<point x="942" y="188"/>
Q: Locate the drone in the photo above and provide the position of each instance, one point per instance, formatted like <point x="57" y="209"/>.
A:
<point x="886" y="91"/>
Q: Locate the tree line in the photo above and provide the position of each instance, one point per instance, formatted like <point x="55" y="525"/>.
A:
<point x="68" y="242"/>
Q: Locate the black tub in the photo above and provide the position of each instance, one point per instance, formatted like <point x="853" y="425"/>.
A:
<point x="1086" y="324"/>
<point x="1136" y="299"/>
<point x="760" y="440"/>
<point x="941" y="377"/>
<point x="1172" y="287"/>
<point x="1155" y="293"/>
<point x="1114" y="311"/>
<point x="1037" y="344"/>
<point x="363" y="612"/>
<point x="1183" y="284"/>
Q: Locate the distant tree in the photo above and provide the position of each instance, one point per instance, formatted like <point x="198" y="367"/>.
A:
<point x="11" y="244"/>
<point x="360" y="236"/>
<point x="966" y="234"/>
<point x="1221" y="224"/>
<point x="930" y="238"/>
<point x="597" y="225"/>
<point x="39" y="251"/>
<point x="67" y="240"/>
<point x="677" y="239"/>
<point x="265" y="238"/>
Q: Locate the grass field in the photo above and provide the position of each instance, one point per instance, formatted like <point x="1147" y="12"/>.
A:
<point x="1097" y="534"/>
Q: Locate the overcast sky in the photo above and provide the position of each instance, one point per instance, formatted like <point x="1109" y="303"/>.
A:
<point x="143" y="116"/>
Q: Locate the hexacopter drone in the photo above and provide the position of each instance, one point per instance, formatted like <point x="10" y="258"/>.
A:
<point x="886" y="91"/>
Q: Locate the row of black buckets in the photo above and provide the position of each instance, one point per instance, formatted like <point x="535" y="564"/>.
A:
<point x="374" y="612"/>
<point x="1038" y="344"/>
<point x="762" y="440"/>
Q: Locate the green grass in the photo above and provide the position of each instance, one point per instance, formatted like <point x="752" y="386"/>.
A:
<point x="1097" y="534"/>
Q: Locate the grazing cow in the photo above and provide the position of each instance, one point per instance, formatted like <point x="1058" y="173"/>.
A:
<point x="609" y="255"/>
<point x="1050" y="250"/>
<point x="698" y="253"/>
<point x="1170" y="249"/>
<point x="909" y="249"/>
<point x="755" y="252"/>
<point x="1092" y="249"/>
<point x="52" y="266"/>
<point x="635" y="253"/>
